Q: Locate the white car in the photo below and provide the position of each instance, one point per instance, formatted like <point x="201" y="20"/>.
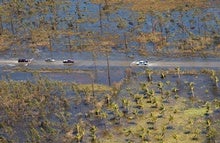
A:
<point x="142" y="63"/>
<point x="49" y="60"/>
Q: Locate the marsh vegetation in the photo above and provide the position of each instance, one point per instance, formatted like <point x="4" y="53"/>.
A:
<point x="144" y="105"/>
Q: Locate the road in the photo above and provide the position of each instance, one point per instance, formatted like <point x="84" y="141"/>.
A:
<point x="87" y="63"/>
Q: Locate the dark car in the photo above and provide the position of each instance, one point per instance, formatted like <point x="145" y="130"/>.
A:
<point x="23" y="60"/>
<point x="69" y="61"/>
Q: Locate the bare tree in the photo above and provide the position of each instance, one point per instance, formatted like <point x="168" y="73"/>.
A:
<point x="1" y="25"/>
<point x="100" y="18"/>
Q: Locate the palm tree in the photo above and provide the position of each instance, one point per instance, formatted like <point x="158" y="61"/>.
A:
<point x="196" y="134"/>
<point x="178" y="71"/>
<point x="191" y="86"/>
<point x="125" y="103"/>
<point x="175" y="136"/>
<point x="149" y="73"/>
<point x="216" y="81"/>
<point x="151" y="92"/>
<point x="163" y="75"/>
<point x="144" y="134"/>
<point x="108" y="99"/>
<point x="160" y="87"/>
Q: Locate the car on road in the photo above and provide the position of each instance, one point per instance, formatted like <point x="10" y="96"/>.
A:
<point x="68" y="61"/>
<point x="142" y="63"/>
<point x="49" y="60"/>
<point x="23" y="60"/>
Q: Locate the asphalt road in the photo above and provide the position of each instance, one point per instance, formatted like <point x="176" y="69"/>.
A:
<point x="87" y="63"/>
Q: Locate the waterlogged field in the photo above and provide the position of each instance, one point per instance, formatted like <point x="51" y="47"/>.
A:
<point x="102" y="97"/>
<point x="152" y="106"/>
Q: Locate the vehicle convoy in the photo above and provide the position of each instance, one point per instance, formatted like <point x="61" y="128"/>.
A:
<point x="27" y="61"/>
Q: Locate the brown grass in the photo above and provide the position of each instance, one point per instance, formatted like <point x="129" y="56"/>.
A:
<point x="162" y="5"/>
<point x="5" y="40"/>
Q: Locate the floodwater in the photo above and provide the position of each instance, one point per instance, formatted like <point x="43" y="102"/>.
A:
<point x="81" y="70"/>
<point x="122" y="27"/>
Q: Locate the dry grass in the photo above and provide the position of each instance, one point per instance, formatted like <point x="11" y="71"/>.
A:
<point x="195" y="44"/>
<point x="168" y="5"/>
<point x="154" y="37"/>
<point x="106" y="1"/>
<point x="6" y="40"/>
<point x="97" y="87"/>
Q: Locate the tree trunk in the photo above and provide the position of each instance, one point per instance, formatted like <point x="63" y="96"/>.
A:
<point x="70" y="46"/>
<point x="100" y="19"/>
<point x="95" y="66"/>
<point x="93" y="90"/>
<point x="78" y="15"/>
<point x="12" y="25"/>
<point x="125" y="42"/>
<point x="108" y="68"/>
<point x="50" y="46"/>
<point x="1" y="26"/>
<point x="55" y="16"/>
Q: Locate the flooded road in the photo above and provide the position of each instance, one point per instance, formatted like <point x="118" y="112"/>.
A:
<point x="189" y="64"/>
<point x="115" y="63"/>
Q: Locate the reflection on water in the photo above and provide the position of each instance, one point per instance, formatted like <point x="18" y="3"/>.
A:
<point x="77" y="77"/>
<point x="17" y="76"/>
<point x="69" y="77"/>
